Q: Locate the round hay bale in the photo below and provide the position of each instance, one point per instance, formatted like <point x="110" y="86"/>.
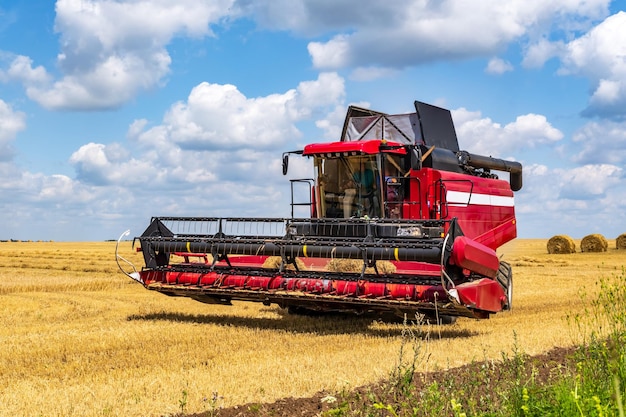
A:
<point x="594" y="243"/>
<point x="385" y="267"/>
<point x="356" y="265"/>
<point x="561" y="244"/>
<point x="344" y="265"/>
<point x="273" y="262"/>
<point x="620" y="242"/>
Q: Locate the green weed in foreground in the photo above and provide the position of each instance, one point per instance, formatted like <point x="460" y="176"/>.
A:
<point x="592" y="382"/>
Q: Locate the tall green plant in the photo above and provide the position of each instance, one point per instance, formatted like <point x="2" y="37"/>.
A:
<point x="601" y="377"/>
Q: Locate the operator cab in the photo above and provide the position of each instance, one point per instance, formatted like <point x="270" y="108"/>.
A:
<point x="359" y="185"/>
<point x="366" y="173"/>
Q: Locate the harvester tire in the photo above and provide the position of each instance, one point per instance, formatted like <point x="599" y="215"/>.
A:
<point x="505" y="279"/>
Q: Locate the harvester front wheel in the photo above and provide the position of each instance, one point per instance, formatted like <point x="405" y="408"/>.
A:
<point x="505" y="279"/>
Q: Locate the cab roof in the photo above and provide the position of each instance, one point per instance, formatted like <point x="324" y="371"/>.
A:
<point x="361" y="147"/>
<point x="429" y="125"/>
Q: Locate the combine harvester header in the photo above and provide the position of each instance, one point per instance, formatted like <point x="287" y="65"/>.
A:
<point x="401" y="222"/>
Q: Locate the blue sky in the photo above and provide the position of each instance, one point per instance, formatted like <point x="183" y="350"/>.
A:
<point x="115" y="111"/>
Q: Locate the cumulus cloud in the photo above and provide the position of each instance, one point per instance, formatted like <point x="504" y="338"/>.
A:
<point x="600" y="56"/>
<point x="332" y="124"/>
<point x="313" y="18"/>
<point x="483" y="136"/>
<point x="554" y="197"/>
<point x="21" y="69"/>
<point x="218" y="135"/>
<point x="420" y="32"/>
<point x="371" y="73"/>
<point x="11" y="122"/>
<point x="110" y="51"/>
<point x="375" y="40"/>
<point x="99" y="164"/>
<point x="588" y="181"/>
<point x="327" y="90"/>
<point x="537" y="53"/>
<point x="38" y="190"/>
<point x="498" y="66"/>
<point x="221" y="117"/>
<point x="59" y="189"/>
<point x="603" y="142"/>
<point x="57" y="206"/>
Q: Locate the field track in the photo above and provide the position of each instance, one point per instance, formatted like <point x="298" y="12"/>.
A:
<point x="78" y="338"/>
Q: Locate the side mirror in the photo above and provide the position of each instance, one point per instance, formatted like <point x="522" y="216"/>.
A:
<point x="285" y="163"/>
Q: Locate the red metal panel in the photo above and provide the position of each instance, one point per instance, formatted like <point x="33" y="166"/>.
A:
<point x="475" y="257"/>
<point x="484" y="294"/>
<point x="499" y="235"/>
<point x="360" y="146"/>
<point x="483" y="207"/>
<point x="345" y="287"/>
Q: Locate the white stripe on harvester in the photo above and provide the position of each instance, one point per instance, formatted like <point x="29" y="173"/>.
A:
<point x="464" y="198"/>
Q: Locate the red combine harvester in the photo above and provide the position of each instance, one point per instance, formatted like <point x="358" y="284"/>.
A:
<point x="420" y="218"/>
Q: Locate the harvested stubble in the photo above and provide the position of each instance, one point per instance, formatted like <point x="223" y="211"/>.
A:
<point x="561" y="244"/>
<point x="120" y="350"/>
<point x="594" y="243"/>
<point x="355" y="265"/>
<point x="620" y="242"/>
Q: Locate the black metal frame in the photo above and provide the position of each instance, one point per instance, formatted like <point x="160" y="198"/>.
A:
<point x="367" y="240"/>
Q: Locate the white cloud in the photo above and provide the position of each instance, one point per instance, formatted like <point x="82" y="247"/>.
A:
<point x="60" y="189"/>
<point x="99" y="164"/>
<point x="21" y="69"/>
<point x="59" y="207"/>
<point x="540" y="51"/>
<point x="332" y="54"/>
<point x="599" y="143"/>
<point x="374" y="38"/>
<point x="11" y="123"/>
<point x="498" y="66"/>
<point x="600" y="55"/>
<point x="327" y="90"/>
<point x="588" y="181"/>
<point x="136" y="128"/>
<point x="221" y="117"/>
<point x="371" y="73"/>
<point x="483" y="136"/>
<point x="576" y="201"/>
<point x="109" y="83"/>
<point x="112" y="50"/>
<point x="333" y="123"/>
<point x="218" y="136"/>
<point x="34" y="189"/>
<point x="313" y="18"/>
<point x="420" y="32"/>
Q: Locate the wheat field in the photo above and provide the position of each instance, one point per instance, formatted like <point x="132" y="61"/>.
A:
<point x="78" y="338"/>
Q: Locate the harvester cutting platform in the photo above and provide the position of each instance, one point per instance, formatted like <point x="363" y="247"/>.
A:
<point x="401" y="221"/>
